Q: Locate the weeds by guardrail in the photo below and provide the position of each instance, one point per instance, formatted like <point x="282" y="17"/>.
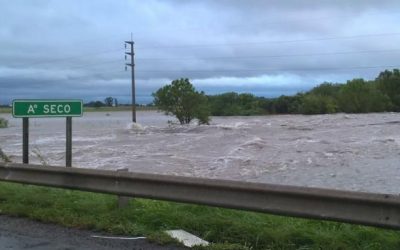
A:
<point x="4" y="157"/>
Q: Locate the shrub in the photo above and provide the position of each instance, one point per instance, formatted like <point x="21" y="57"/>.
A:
<point x="4" y="157"/>
<point x="182" y="100"/>
<point x="3" y="123"/>
<point x="318" y="104"/>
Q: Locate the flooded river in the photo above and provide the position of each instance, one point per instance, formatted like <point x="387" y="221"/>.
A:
<point x="344" y="151"/>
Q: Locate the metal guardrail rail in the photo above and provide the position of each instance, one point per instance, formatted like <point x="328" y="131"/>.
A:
<point x="381" y="210"/>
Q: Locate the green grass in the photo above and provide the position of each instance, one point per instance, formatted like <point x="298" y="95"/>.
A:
<point x="227" y="229"/>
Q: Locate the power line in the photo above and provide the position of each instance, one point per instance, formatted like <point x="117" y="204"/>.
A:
<point x="243" y="57"/>
<point x="103" y="74"/>
<point x="276" y="41"/>
<point x="69" y="68"/>
<point x="274" y="69"/>
<point x="206" y="45"/>
<point x="230" y="70"/>
<point x="230" y="58"/>
<point x="238" y="57"/>
<point x="270" y="56"/>
<point x="94" y="64"/>
<point x="69" y="58"/>
<point x="37" y="76"/>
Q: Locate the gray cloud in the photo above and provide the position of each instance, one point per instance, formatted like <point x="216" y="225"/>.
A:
<point x="51" y="49"/>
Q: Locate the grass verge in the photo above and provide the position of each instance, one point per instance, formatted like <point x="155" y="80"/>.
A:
<point x="227" y="229"/>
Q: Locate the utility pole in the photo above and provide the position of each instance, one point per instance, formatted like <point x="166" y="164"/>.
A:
<point x="132" y="65"/>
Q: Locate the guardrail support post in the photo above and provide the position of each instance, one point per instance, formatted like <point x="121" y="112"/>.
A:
<point x="123" y="201"/>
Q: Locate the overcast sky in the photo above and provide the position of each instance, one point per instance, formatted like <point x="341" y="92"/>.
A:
<point x="75" y="48"/>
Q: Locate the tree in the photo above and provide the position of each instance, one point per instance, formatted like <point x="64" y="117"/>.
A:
<point x="249" y="104"/>
<point x="96" y="104"/>
<point x="317" y="104"/>
<point x="266" y="105"/>
<point x="359" y="96"/>
<point x="182" y="100"/>
<point x="232" y="103"/>
<point x="288" y="104"/>
<point x="389" y="83"/>
<point x="109" y="101"/>
<point x="225" y="104"/>
<point x="327" y="89"/>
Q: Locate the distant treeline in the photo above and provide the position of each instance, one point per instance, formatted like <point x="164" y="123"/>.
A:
<point x="355" y="96"/>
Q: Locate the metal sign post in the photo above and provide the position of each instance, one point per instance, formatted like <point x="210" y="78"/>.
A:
<point x="26" y="109"/>
<point x="25" y="140"/>
<point x="68" y="146"/>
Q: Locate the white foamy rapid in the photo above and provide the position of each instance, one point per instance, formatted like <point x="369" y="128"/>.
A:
<point x="135" y="126"/>
<point x="356" y="152"/>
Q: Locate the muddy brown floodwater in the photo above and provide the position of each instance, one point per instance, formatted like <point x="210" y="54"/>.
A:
<point x="343" y="151"/>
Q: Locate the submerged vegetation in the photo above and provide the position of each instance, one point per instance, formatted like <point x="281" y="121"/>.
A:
<point x="3" y="123"/>
<point x="182" y="100"/>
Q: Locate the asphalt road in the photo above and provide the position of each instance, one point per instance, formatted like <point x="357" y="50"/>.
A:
<point x="21" y="233"/>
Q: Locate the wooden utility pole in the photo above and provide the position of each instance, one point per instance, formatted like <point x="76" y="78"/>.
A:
<point x="132" y="65"/>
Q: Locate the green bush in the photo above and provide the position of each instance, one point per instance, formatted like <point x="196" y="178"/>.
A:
<point x="232" y="103"/>
<point x="360" y="96"/>
<point x="318" y="104"/>
<point x="354" y="96"/>
<point x="182" y="100"/>
<point x="388" y="82"/>
<point x="4" y="157"/>
<point x="3" y="123"/>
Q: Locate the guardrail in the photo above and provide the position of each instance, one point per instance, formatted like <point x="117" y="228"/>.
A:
<point x="381" y="210"/>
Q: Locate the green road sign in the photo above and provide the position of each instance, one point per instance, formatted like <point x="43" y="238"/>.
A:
<point x="47" y="108"/>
